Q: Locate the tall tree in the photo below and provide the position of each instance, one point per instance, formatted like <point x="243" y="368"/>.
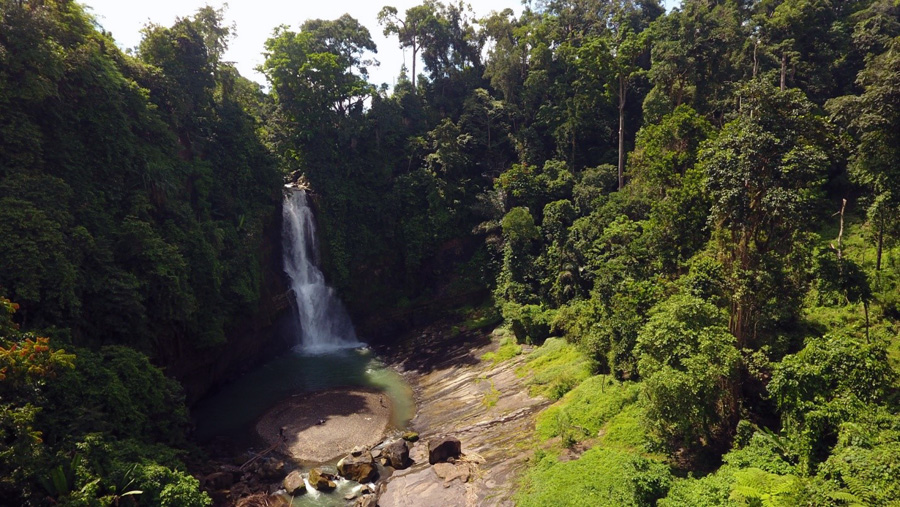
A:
<point x="411" y="30"/>
<point x="764" y="172"/>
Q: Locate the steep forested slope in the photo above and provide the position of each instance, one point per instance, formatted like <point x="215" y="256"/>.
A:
<point x="134" y="196"/>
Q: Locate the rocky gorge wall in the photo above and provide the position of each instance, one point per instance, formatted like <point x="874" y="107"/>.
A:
<point x="259" y="335"/>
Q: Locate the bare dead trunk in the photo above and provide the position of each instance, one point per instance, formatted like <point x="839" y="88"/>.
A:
<point x="755" y="59"/>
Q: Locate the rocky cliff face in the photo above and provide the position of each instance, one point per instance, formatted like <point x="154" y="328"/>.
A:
<point x="258" y="335"/>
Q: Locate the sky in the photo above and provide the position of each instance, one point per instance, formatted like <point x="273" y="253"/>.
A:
<point x="255" y="20"/>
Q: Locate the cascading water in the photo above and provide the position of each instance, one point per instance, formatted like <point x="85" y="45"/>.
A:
<point x="324" y="323"/>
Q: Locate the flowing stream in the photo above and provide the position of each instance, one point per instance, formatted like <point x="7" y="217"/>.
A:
<point x="324" y="323"/>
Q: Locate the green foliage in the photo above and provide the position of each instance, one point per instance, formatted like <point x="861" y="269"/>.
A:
<point x="529" y="323"/>
<point x="587" y="407"/>
<point x="518" y="225"/>
<point x="688" y="361"/>
<point x="764" y="172"/>
<point x="824" y="385"/>
<point x="864" y="462"/>
<point x="758" y="487"/>
<point x="556" y="367"/>
<point x="118" y="392"/>
<point x="133" y="214"/>
<point x="88" y="428"/>
<point x="599" y="477"/>
<point x="508" y="349"/>
<point x="106" y="471"/>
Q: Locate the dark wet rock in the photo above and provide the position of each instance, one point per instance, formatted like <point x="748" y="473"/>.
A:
<point x="410" y="436"/>
<point x="397" y="454"/>
<point x="321" y="480"/>
<point x="443" y="449"/>
<point x="271" y="471"/>
<point x="218" y="480"/>
<point x="294" y="484"/>
<point x="357" y="466"/>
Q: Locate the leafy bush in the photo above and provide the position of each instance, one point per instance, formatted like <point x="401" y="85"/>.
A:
<point x="824" y="385"/>
<point x="530" y="323"/>
<point x="689" y="362"/>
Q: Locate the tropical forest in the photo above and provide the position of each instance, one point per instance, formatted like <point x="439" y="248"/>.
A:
<point x="578" y="253"/>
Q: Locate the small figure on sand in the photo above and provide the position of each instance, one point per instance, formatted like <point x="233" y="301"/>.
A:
<point x="321" y="422"/>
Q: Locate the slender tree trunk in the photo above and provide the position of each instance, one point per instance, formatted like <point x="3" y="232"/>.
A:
<point x="415" y="55"/>
<point x="866" y="309"/>
<point x="621" y="131"/>
<point x="783" y="70"/>
<point x="880" y="242"/>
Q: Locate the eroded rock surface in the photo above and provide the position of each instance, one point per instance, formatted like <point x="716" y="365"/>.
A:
<point x="485" y="406"/>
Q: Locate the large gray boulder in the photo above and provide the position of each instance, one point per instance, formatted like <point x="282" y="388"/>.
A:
<point x="396" y="454"/>
<point x="357" y="466"/>
<point x="443" y="449"/>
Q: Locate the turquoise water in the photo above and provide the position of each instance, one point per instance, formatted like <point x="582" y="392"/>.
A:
<point x="234" y="409"/>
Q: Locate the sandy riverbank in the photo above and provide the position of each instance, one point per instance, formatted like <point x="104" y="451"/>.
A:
<point x="323" y="426"/>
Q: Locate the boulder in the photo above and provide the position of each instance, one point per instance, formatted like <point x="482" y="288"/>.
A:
<point x="321" y="481"/>
<point x="396" y="454"/>
<point x="357" y="466"/>
<point x="294" y="484"/>
<point x="410" y="436"/>
<point x="366" y="501"/>
<point x="443" y="449"/>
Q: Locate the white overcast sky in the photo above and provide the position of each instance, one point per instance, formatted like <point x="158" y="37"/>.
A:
<point x="256" y="19"/>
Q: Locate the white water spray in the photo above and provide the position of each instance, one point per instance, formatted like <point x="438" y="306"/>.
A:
<point x="324" y="323"/>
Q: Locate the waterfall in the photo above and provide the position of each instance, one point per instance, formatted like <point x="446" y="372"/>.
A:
<point x="324" y="323"/>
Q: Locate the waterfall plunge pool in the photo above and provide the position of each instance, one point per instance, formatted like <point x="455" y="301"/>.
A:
<point x="233" y="410"/>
